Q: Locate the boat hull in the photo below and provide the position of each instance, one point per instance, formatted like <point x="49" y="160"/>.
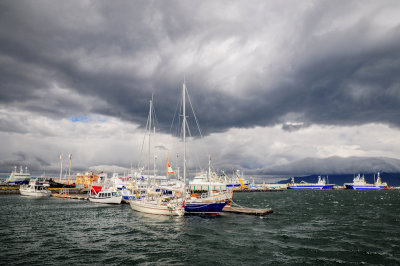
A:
<point x="312" y="187"/>
<point x="153" y="208"/>
<point x="204" y="208"/>
<point x="43" y="193"/>
<point x="111" y="200"/>
<point x="364" y="187"/>
<point x="208" y="205"/>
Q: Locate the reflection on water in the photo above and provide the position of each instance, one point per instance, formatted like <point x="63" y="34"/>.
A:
<point x="307" y="227"/>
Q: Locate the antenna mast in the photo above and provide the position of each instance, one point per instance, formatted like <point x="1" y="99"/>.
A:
<point x="151" y="106"/>
<point x="69" y="170"/>
<point x="184" y="130"/>
<point x="61" y="161"/>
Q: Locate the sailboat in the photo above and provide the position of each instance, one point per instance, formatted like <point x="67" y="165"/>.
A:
<point x="154" y="201"/>
<point x="211" y="202"/>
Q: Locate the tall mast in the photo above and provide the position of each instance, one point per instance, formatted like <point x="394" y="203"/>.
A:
<point x="167" y="165"/>
<point x="184" y="130"/>
<point x="209" y="167"/>
<point x="154" y="156"/>
<point x="69" y="170"/>
<point x="61" y="158"/>
<point x="151" y="106"/>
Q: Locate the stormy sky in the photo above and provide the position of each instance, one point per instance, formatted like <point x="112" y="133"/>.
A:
<point x="272" y="82"/>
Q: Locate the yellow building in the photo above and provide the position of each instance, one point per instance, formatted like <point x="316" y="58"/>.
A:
<point x="86" y="180"/>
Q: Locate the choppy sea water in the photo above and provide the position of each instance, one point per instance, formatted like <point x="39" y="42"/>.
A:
<point x="307" y="227"/>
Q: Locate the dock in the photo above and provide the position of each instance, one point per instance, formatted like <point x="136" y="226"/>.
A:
<point x="247" y="211"/>
<point x="4" y="189"/>
<point x="259" y="190"/>
<point x="69" y="196"/>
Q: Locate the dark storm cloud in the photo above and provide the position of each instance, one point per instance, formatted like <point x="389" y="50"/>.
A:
<point x="36" y="163"/>
<point x="116" y="54"/>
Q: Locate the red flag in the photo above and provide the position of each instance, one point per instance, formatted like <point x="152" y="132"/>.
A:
<point x="169" y="169"/>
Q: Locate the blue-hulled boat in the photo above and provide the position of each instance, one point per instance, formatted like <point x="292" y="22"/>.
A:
<point x="207" y="208"/>
<point x="209" y="203"/>
<point x="359" y="183"/>
<point x="321" y="184"/>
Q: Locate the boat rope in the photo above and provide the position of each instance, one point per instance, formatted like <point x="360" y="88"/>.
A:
<point x="236" y="205"/>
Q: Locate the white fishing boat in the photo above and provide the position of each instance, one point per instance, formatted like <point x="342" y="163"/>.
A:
<point x="107" y="195"/>
<point x="35" y="188"/>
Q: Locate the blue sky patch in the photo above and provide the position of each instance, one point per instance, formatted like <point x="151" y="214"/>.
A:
<point x="83" y="119"/>
<point x="87" y="119"/>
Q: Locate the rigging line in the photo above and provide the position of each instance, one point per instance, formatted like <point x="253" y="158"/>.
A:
<point x="194" y="114"/>
<point x="196" y="154"/>
<point x="173" y="119"/>
<point x="155" y="122"/>
<point x="144" y="139"/>
<point x="155" y="128"/>
<point x="197" y="123"/>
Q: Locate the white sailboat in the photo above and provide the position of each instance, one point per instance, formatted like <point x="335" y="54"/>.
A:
<point x="154" y="201"/>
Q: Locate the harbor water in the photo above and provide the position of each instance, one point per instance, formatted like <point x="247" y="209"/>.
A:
<point x="307" y="227"/>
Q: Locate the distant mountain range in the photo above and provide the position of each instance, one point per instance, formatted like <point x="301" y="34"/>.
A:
<point x="392" y="179"/>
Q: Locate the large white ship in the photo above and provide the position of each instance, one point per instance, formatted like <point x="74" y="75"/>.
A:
<point x="19" y="178"/>
<point x="360" y="183"/>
